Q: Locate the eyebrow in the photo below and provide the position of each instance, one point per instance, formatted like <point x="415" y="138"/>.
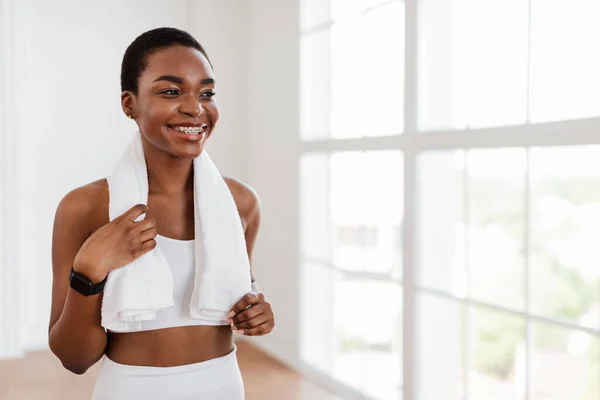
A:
<point x="175" y="79"/>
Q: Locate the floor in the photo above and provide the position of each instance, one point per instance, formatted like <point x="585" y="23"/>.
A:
<point x="40" y="376"/>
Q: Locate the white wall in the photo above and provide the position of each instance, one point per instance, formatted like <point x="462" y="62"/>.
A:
<point x="9" y="313"/>
<point x="272" y="101"/>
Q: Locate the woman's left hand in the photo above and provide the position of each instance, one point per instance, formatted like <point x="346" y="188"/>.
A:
<point x="252" y="315"/>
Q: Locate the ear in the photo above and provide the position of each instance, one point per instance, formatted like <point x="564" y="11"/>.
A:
<point x="129" y="104"/>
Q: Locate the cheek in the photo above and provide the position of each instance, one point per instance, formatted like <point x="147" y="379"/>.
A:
<point x="161" y="110"/>
<point x="213" y="111"/>
<point x="156" y="114"/>
<point x="154" y="117"/>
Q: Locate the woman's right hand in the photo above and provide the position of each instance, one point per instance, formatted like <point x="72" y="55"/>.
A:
<point x="116" y="244"/>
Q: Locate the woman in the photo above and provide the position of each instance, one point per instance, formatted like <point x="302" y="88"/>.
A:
<point x="168" y="88"/>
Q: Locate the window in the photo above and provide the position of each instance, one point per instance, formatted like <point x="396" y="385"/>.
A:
<point x="352" y="265"/>
<point x="507" y="237"/>
<point x="352" y="69"/>
<point x="450" y="211"/>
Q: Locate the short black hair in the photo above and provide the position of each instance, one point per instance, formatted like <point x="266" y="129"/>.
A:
<point x="135" y="59"/>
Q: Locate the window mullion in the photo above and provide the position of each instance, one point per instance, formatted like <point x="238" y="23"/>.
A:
<point x="408" y="279"/>
<point x="527" y="271"/>
<point x="466" y="304"/>
<point x="410" y="190"/>
<point x="411" y="53"/>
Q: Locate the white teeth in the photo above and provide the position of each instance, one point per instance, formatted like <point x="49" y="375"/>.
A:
<point x="189" y="129"/>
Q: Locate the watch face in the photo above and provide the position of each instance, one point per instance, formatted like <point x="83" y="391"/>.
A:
<point x="80" y="285"/>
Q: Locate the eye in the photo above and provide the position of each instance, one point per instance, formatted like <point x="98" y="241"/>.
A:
<point x="209" y="94"/>
<point x="170" y="92"/>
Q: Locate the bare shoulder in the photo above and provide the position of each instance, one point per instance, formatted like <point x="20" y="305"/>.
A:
<point x="87" y="203"/>
<point x="246" y="198"/>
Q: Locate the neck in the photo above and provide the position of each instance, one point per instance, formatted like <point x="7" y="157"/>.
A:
<point x="167" y="174"/>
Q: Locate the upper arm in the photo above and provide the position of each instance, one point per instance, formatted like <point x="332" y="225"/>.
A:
<point x="248" y="204"/>
<point x="252" y="226"/>
<point x="72" y="227"/>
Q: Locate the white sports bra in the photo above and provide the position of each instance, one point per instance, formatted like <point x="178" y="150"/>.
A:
<point x="180" y="255"/>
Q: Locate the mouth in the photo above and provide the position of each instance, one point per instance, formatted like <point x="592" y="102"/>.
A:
<point x="191" y="132"/>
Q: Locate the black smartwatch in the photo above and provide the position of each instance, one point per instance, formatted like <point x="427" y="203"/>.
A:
<point x="83" y="285"/>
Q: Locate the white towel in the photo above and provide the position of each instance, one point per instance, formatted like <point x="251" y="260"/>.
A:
<point x="136" y="291"/>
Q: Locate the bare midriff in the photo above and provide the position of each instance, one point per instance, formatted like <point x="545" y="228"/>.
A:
<point x="170" y="347"/>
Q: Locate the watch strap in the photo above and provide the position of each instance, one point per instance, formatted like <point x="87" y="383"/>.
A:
<point x="83" y="285"/>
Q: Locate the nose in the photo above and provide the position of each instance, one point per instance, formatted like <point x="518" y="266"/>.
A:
<point x="191" y="105"/>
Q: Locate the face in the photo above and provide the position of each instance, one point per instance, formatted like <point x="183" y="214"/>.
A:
<point x="175" y="107"/>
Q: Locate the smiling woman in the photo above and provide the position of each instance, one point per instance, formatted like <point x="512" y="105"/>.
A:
<point x="168" y="88"/>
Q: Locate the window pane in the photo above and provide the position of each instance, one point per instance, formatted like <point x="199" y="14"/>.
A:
<point x="315" y="97"/>
<point x="496" y="229"/>
<point x="472" y="63"/>
<point x="315" y="214"/>
<point x="440" y="244"/>
<point x="368" y="73"/>
<point x="496" y="355"/>
<point x="352" y="330"/>
<point x="565" y="364"/>
<point x="494" y="347"/>
<point x="351" y="210"/>
<point x="471" y="224"/>
<point x="367" y="330"/>
<point x="440" y="348"/>
<point x="565" y="225"/>
<point x="316" y="320"/>
<point x="565" y="83"/>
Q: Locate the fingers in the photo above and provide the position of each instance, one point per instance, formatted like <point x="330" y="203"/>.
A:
<point x="134" y="212"/>
<point x="249" y="299"/>
<point x="253" y="322"/>
<point x="147" y="246"/>
<point x="257" y="319"/>
<point x="141" y="228"/>
<point x="148" y="234"/>
<point x="142" y="242"/>
<point x="141" y="235"/>
<point x="248" y="314"/>
<point x="259" y="330"/>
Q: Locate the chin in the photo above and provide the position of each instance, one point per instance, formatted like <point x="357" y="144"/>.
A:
<point x="192" y="153"/>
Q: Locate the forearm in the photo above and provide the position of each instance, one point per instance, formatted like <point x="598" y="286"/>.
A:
<point x="77" y="338"/>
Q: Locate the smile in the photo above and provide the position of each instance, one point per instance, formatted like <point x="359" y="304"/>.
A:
<point x="189" y="133"/>
<point x="189" y="129"/>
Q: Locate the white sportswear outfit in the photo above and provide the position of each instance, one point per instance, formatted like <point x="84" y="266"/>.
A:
<point x="216" y="379"/>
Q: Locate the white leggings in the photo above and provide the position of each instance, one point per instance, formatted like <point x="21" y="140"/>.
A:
<point x="216" y="379"/>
